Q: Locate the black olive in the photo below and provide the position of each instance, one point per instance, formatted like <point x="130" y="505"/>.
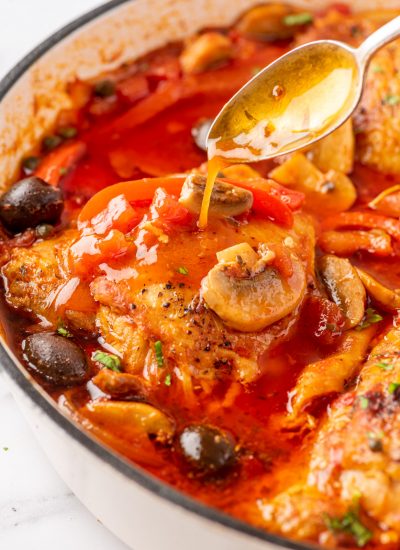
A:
<point x="30" y="202"/>
<point x="207" y="449"/>
<point x="56" y="359"/>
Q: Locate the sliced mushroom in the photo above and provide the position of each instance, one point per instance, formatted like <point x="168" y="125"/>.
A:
<point x="385" y="298"/>
<point x="344" y="287"/>
<point x="267" y="23"/>
<point x="121" y="385"/>
<point x="205" y="52"/>
<point x="131" y="418"/>
<point x="226" y="199"/>
<point x="248" y="293"/>
<point x="328" y="193"/>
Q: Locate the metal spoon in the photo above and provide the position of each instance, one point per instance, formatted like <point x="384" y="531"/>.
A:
<point x="298" y="99"/>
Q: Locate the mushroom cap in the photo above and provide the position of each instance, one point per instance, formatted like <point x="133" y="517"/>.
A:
<point x="253" y="302"/>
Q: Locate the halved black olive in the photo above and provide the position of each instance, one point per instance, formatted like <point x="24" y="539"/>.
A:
<point x="30" y="202"/>
<point x="56" y="359"/>
<point x="207" y="449"/>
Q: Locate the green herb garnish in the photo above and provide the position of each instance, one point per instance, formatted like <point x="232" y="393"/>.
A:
<point x="349" y="523"/>
<point x="167" y="380"/>
<point x="183" y="270"/>
<point x="370" y="318"/>
<point x="298" y="19"/>
<point x="364" y="402"/>
<point x="62" y="331"/>
<point x="6" y="449"/>
<point x="377" y="69"/>
<point x="391" y="99"/>
<point x="67" y="132"/>
<point x="159" y="353"/>
<point x="393" y="387"/>
<point x="108" y="360"/>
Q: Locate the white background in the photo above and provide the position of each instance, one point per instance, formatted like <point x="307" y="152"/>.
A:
<point x="37" y="511"/>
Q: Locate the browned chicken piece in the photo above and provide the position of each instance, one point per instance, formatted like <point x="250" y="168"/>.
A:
<point x="194" y="338"/>
<point x="352" y="487"/>
<point x="37" y="281"/>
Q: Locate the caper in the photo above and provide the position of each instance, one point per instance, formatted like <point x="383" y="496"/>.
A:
<point x="207" y="449"/>
<point x="30" y="202"/>
<point x="55" y="359"/>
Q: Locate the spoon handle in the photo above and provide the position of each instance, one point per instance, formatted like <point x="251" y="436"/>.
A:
<point x="378" y="39"/>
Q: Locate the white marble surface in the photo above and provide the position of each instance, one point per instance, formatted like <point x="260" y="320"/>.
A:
<point x="37" y="510"/>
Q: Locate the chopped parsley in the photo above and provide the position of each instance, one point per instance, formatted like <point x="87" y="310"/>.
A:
<point x="393" y="387"/>
<point x="5" y="449"/>
<point x="62" y="331"/>
<point x="298" y="19"/>
<point x="364" y="402"/>
<point x="351" y="524"/>
<point x="384" y="365"/>
<point x="108" y="360"/>
<point x="377" y="69"/>
<point x="168" y="380"/>
<point x="63" y="170"/>
<point x="391" y="99"/>
<point x="159" y="353"/>
<point x="183" y="270"/>
<point x="370" y="318"/>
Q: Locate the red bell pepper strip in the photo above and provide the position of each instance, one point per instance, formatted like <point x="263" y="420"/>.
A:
<point x="133" y="191"/>
<point x="59" y="161"/>
<point x="363" y="219"/>
<point x="271" y="199"/>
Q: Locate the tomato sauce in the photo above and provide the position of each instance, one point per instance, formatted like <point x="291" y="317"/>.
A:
<point x="143" y="129"/>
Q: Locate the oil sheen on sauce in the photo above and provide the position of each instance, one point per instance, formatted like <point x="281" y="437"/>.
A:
<point x="287" y="105"/>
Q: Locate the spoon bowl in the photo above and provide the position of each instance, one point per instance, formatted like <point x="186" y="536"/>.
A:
<point x="295" y="101"/>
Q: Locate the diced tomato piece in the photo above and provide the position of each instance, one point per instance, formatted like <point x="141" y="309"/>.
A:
<point x="91" y="250"/>
<point x="60" y="161"/>
<point x="118" y="214"/>
<point x="166" y="210"/>
<point x="323" y="320"/>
